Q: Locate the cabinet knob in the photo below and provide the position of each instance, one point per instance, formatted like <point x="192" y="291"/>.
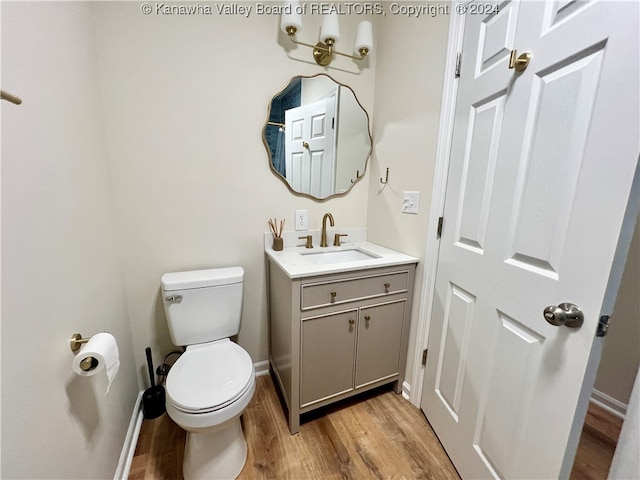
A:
<point x="352" y="321"/>
<point x="386" y="287"/>
<point x="333" y="296"/>
<point x="367" y="318"/>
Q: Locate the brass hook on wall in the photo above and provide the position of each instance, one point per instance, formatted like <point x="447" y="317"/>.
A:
<point x="10" y="97"/>
<point x="386" y="178"/>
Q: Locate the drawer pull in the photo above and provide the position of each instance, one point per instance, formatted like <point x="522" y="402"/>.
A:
<point x="333" y="296"/>
<point x="386" y="287"/>
<point x="352" y="321"/>
<point x="367" y="318"/>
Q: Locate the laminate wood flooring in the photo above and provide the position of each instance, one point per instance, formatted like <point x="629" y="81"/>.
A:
<point x="378" y="435"/>
<point x="597" y="444"/>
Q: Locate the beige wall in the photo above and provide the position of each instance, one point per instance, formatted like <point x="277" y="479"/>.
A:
<point x="61" y="271"/>
<point x="621" y="351"/>
<point x="185" y="100"/>
<point x="410" y="58"/>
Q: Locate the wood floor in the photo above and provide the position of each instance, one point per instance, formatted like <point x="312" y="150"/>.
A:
<point x="375" y="436"/>
<point x="379" y="435"/>
<point x="597" y="444"/>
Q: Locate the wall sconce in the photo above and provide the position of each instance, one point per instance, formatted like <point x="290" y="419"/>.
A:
<point x="323" y="51"/>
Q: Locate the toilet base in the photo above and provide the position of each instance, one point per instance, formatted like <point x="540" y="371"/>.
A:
<point x="218" y="455"/>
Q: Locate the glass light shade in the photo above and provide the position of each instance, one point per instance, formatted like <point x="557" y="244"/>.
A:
<point x="290" y="17"/>
<point x="330" y="28"/>
<point x="364" y="37"/>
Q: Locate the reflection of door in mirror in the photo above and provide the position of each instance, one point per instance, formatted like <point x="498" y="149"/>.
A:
<point x="309" y="146"/>
<point x="337" y="135"/>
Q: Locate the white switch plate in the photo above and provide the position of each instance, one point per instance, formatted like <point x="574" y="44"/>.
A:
<point x="302" y="220"/>
<point x="410" y="202"/>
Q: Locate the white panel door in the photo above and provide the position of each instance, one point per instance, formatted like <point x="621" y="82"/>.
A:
<point x="541" y="170"/>
<point x="309" y="147"/>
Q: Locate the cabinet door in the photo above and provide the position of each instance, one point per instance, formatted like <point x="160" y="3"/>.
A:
<point x="327" y="354"/>
<point x="379" y="342"/>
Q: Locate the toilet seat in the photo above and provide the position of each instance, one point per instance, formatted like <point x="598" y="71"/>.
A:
<point x="209" y="377"/>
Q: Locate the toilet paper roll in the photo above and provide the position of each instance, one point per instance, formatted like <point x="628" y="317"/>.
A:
<point x="98" y="354"/>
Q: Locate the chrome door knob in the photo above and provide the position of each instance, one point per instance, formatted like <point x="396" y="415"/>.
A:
<point x="566" y="314"/>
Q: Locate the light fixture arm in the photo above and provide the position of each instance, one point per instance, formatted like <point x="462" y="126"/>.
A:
<point x="323" y="52"/>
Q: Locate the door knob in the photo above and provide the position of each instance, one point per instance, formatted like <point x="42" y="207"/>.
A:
<point x="521" y="62"/>
<point x="566" y="314"/>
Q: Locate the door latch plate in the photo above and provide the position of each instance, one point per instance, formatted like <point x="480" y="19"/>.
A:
<point x="603" y="326"/>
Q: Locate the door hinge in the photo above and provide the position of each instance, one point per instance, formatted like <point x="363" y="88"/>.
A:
<point x="458" y="64"/>
<point x="440" y="222"/>
<point x="424" y="356"/>
<point x="603" y="326"/>
<point x="333" y="123"/>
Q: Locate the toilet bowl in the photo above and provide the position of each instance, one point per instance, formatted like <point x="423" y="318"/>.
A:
<point x="213" y="381"/>
<point x="208" y="388"/>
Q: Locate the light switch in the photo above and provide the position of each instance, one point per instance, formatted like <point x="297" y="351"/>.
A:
<point x="410" y="201"/>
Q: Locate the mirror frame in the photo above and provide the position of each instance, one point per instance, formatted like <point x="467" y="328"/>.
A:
<point x="270" y="159"/>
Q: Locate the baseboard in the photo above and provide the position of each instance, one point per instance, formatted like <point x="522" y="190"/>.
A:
<point x="130" y="442"/>
<point x="610" y="404"/>
<point x="261" y="368"/>
<point x="406" y="390"/>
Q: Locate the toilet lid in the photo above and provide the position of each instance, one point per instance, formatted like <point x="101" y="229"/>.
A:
<point x="209" y="376"/>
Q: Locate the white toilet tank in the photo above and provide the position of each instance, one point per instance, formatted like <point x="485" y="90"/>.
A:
<point x="203" y="305"/>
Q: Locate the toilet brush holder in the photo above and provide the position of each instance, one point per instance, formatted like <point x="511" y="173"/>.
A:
<point x="153" y="398"/>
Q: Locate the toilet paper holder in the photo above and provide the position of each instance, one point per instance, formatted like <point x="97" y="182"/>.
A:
<point x="75" y="342"/>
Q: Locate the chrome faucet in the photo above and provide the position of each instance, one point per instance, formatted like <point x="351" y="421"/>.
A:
<point x="323" y="238"/>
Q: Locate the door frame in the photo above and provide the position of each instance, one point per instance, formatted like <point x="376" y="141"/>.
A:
<point x="432" y="250"/>
<point x="443" y="153"/>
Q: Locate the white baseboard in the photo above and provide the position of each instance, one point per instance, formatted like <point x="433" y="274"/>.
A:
<point x="130" y="441"/>
<point x="610" y="404"/>
<point x="406" y="390"/>
<point x="261" y="368"/>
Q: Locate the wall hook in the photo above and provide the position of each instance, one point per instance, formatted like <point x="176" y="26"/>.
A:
<point x="386" y="178"/>
<point x="357" y="176"/>
<point x="9" y="97"/>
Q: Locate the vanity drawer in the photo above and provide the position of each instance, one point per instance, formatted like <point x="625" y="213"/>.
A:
<point x="323" y="294"/>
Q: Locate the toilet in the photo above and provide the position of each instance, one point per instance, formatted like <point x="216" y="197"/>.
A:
<point x="213" y="381"/>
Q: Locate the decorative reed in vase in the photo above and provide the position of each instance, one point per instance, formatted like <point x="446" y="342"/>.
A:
<point x="276" y="231"/>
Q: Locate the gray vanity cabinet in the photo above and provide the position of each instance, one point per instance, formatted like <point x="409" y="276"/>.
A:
<point x="379" y="342"/>
<point x="333" y="336"/>
<point x="327" y="355"/>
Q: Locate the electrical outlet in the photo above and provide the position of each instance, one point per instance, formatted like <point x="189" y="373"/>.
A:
<point x="302" y="220"/>
<point x="410" y="201"/>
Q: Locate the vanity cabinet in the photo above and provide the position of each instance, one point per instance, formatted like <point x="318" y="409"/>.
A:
<point x="337" y="335"/>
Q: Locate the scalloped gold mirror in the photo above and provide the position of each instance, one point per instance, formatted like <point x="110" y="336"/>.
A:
<point x="317" y="137"/>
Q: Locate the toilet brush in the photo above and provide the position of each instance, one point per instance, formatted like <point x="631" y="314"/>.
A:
<point x="153" y="398"/>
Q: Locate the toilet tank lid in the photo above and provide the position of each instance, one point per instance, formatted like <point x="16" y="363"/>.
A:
<point x="202" y="278"/>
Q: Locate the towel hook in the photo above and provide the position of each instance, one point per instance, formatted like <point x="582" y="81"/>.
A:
<point x="386" y="178"/>
<point x="10" y="97"/>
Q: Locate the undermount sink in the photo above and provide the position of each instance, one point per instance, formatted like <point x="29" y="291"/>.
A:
<point x="338" y="256"/>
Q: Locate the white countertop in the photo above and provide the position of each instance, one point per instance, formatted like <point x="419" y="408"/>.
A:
<point x="294" y="262"/>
